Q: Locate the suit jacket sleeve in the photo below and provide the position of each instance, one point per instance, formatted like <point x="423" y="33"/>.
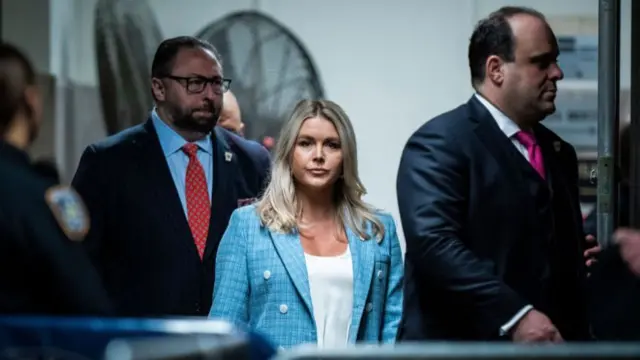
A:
<point x="393" y="307"/>
<point x="90" y="182"/>
<point x="433" y="192"/>
<point x="231" y="285"/>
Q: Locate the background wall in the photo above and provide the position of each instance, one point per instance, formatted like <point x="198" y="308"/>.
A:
<point x="391" y="64"/>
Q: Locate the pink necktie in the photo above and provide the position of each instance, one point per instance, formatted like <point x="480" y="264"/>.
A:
<point x="198" y="204"/>
<point x="535" y="154"/>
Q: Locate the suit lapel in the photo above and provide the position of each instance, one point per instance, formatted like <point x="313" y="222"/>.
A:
<point x="549" y="155"/>
<point x="163" y="194"/>
<point x="292" y="256"/>
<point x="553" y="154"/>
<point x="500" y="147"/>
<point x="514" y="166"/>
<point x="223" y="199"/>
<point x="364" y="258"/>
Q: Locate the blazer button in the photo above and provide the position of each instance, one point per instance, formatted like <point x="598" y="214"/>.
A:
<point x="369" y="307"/>
<point x="267" y="274"/>
<point x="380" y="274"/>
<point x="284" y="308"/>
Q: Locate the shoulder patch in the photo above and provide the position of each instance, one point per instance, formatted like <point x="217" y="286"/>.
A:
<point x="69" y="211"/>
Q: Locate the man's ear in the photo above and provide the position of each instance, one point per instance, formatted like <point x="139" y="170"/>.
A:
<point x="494" y="69"/>
<point x="158" y="89"/>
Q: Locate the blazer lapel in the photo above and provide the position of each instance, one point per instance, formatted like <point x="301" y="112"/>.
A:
<point x="552" y="153"/>
<point x="364" y="257"/>
<point x="292" y="256"/>
<point x="494" y="140"/>
<point x="512" y="164"/>
<point x="223" y="199"/>
<point x="163" y="195"/>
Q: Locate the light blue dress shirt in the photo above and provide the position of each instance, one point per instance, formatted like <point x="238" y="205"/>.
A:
<point x="172" y="143"/>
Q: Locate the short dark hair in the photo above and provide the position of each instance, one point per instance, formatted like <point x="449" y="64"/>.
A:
<point x="166" y="53"/>
<point x="493" y="36"/>
<point x="16" y="74"/>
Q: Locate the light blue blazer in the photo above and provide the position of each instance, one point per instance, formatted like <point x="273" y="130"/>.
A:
<point x="261" y="282"/>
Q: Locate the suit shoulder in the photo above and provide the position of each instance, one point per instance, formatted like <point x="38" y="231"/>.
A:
<point x="558" y="142"/>
<point x="446" y="124"/>
<point x="114" y="141"/>
<point x="250" y="147"/>
<point x="255" y="159"/>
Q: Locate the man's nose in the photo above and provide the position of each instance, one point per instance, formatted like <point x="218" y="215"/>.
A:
<point x="556" y="72"/>
<point x="208" y="92"/>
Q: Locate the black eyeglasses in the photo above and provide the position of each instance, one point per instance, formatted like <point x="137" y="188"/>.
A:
<point x="197" y="84"/>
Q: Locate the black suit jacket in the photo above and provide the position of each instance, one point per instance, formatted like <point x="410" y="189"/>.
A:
<point x="140" y="238"/>
<point x="478" y="246"/>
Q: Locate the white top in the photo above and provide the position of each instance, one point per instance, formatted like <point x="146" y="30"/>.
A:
<point x="331" y="285"/>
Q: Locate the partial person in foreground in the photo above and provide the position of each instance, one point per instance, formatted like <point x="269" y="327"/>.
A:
<point x="43" y="267"/>
<point x="311" y="262"/>
<point x="615" y="287"/>
<point x="161" y="193"/>
<point x="488" y="198"/>
<point x="231" y="116"/>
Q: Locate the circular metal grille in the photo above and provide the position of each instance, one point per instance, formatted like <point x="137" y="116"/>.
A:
<point x="270" y="69"/>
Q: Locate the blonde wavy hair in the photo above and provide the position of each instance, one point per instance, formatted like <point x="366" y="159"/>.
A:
<point x="279" y="209"/>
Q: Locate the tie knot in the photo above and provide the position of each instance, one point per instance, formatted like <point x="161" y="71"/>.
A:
<point x="526" y="138"/>
<point x="190" y="149"/>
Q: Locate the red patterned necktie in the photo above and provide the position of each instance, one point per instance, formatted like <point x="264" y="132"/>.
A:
<point x="535" y="154"/>
<point x="198" y="204"/>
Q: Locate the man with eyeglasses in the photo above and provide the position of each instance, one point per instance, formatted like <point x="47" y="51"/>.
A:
<point x="161" y="193"/>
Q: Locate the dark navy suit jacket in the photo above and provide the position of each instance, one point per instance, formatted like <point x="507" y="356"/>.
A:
<point x="485" y="234"/>
<point x="140" y="239"/>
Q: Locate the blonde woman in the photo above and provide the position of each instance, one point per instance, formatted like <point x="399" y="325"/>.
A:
<point x="310" y="262"/>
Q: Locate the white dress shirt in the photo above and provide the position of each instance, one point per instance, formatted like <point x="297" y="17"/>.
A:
<point x="510" y="129"/>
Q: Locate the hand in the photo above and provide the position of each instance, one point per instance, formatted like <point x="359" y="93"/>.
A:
<point x="591" y="253"/>
<point x="536" y="327"/>
<point x="629" y="242"/>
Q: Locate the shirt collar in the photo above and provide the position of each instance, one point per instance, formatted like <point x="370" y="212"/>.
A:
<point x="171" y="142"/>
<point x="508" y="127"/>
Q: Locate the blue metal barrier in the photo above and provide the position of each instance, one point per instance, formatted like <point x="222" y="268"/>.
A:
<point x="88" y="338"/>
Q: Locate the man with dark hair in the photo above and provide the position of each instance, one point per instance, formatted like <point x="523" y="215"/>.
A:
<point x="489" y="201"/>
<point x="44" y="268"/>
<point x="161" y="193"/>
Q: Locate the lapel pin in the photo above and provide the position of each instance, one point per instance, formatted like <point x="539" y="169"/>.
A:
<point x="228" y="156"/>
<point x="556" y="145"/>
